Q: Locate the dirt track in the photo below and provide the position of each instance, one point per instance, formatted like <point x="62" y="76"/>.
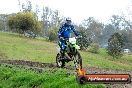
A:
<point x="38" y="66"/>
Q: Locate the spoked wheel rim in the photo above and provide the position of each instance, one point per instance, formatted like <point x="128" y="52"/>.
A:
<point x="77" y="61"/>
<point x="59" y="62"/>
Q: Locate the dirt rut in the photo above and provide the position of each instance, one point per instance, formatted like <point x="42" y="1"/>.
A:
<point x="39" y="66"/>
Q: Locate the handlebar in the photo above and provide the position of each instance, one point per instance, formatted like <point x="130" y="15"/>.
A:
<point x="77" y="37"/>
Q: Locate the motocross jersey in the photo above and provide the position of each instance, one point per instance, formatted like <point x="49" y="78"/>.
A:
<point x="65" y="31"/>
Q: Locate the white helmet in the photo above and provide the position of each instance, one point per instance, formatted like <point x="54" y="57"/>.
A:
<point x="68" y="19"/>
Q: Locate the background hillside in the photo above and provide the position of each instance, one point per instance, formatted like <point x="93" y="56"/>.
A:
<point x="16" y="47"/>
<point x="29" y="70"/>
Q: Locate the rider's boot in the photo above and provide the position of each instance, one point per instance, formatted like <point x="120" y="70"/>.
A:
<point x="62" y="54"/>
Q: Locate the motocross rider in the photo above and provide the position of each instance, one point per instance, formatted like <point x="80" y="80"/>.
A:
<point x="64" y="34"/>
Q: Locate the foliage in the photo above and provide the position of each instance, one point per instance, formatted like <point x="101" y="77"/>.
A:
<point x="1" y="25"/>
<point x="93" y="48"/>
<point x="52" y="34"/>
<point x="51" y="19"/>
<point x="93" y="29"/>
<point x="127" y="35"/>
<point x="85" y="40"/>
<point x="24" y="22"/>
<point x="27" y="7"/>
<point x="3" y="22"/>
<point x="115" y="45"/>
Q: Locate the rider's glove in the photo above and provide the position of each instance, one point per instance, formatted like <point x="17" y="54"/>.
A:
<point x="61" y="38"/>
<point x="79" y="36"/>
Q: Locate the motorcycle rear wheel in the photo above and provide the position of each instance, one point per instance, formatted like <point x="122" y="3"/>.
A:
<point x="60" y="62"/>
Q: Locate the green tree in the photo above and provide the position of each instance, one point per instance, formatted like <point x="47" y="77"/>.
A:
<point x="115" y="45"/>
<point x="27" y="7"/>
<point x="52" y="34"/>
<point x="107" y="31"/>
<point x="25" y="22"/>
<point x="93" y="48"/>
<point x="93" y="29"/>
<point x="127" y="35"/>
<point x="3" y="22"/>
<point x="85" y="40"/>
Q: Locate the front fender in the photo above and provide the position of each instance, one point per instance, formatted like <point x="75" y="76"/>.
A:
<point x="77" y="47"/>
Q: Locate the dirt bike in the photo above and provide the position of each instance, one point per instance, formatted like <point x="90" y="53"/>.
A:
<point x="72" y="52"/>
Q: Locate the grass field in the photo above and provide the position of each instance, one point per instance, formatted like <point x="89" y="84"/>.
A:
<point x="13" y="46"/>
<point x="15" y="77"/>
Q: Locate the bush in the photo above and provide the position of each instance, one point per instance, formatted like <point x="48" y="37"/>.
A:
<point x="24" y="22"/>
<point x="115" y="45"/>
<point x="94" y="48"/>
<point x="85" y="41"/>
<point x="52" y="34"/>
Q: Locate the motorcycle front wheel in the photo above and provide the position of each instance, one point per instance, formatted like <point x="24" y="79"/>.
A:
<point x="60" y="62"/>
<point x="78" y="60"/>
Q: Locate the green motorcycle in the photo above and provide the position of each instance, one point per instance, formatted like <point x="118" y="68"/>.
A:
<point x="72" y="52"/>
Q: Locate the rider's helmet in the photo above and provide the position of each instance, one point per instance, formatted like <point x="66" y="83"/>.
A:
<point x="68" y="21"/>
